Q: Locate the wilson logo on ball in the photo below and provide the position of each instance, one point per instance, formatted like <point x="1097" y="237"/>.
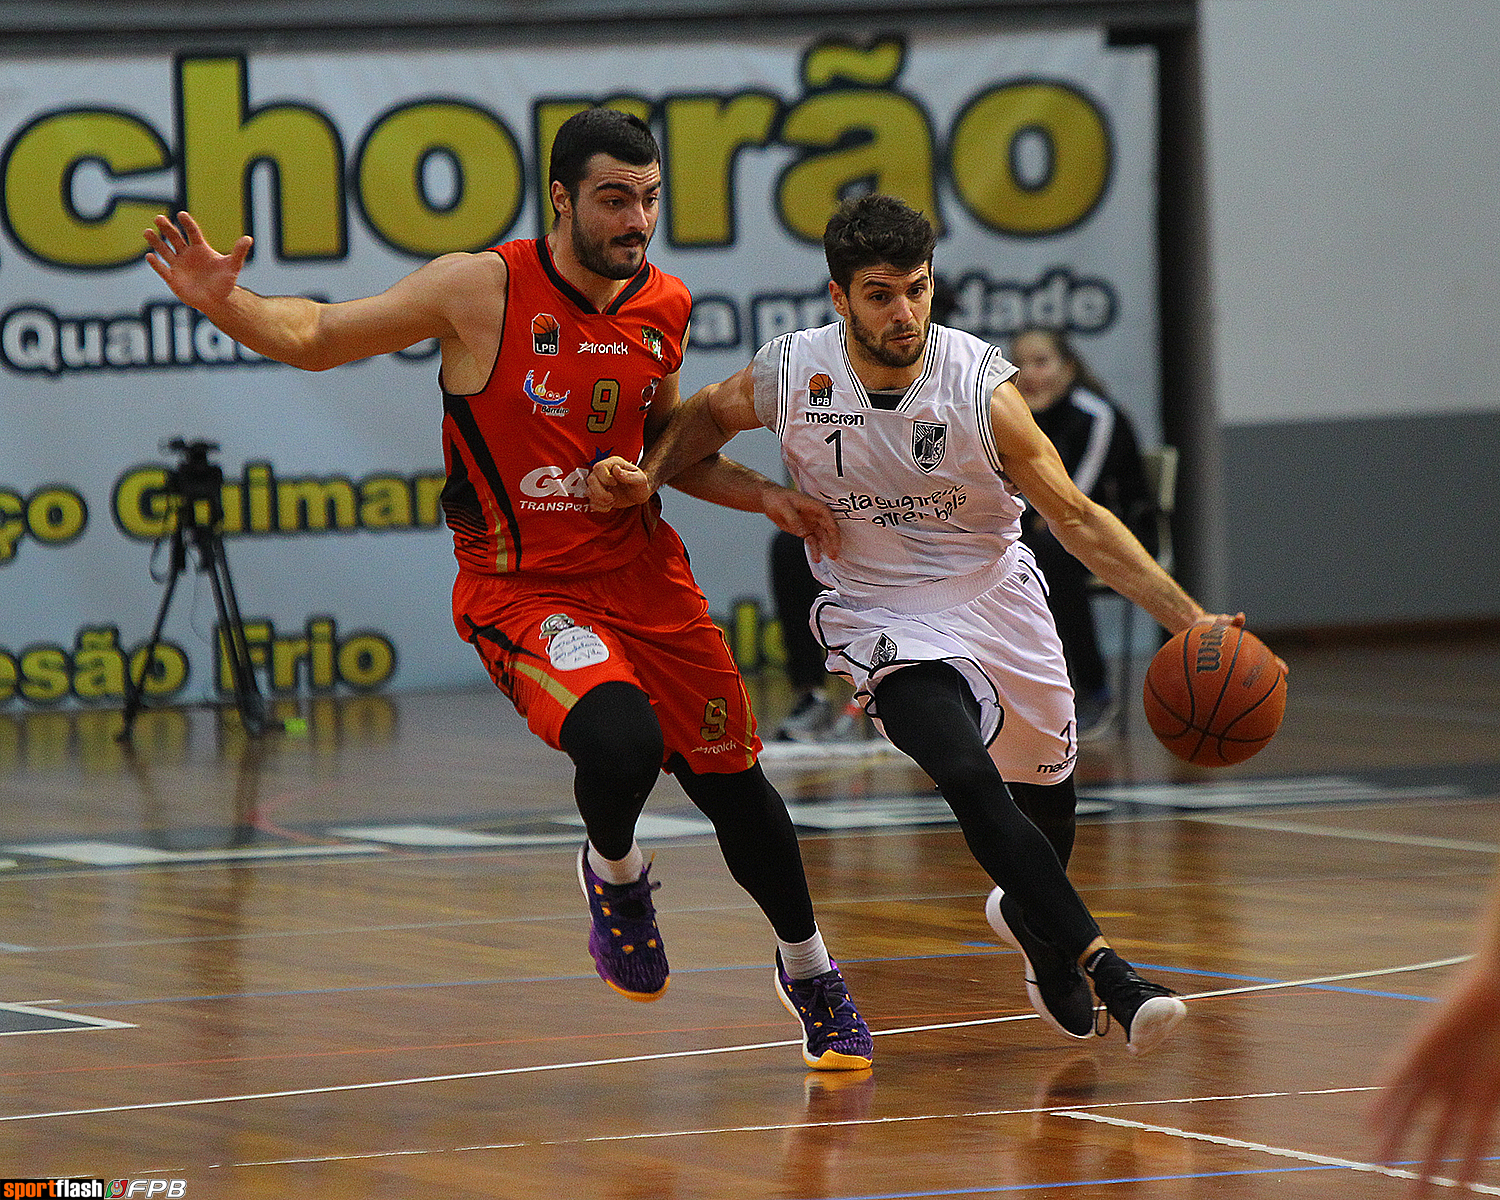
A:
<point x="1214" y="695"/>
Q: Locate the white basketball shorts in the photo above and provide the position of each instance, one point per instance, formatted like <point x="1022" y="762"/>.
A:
<point x="995" y="629"/>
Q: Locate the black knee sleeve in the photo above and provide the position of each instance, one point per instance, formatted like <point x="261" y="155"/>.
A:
<point x="614" y="739"/>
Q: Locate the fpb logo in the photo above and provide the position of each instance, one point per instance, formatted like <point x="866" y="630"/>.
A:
<point x="147" y="1187"/>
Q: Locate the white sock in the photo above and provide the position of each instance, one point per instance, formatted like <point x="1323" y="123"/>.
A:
<point x="803" y="960"/>
<point x="626" y="871"/>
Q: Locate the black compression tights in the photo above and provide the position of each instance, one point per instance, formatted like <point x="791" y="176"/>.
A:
<point x="930" y="714"/>
<point x="613" y="737"/>
<point x="758" y="843"/>
<point x="1052" y="808"/>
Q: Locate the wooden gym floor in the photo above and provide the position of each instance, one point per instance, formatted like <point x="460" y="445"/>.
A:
<point x="352" y="963"/>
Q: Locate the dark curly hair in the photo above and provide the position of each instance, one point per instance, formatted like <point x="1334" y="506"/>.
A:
<point x="872" y="230"/>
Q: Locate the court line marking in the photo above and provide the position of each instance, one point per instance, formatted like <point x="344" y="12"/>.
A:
<point x="1261" y="1148"/>
<point x="80" y="1023"/>
<point x="781" y="1126"/>
<point x="1043" y="1110"/>
<point x="662" y="1056"/>
<point x="1337" y="831"/>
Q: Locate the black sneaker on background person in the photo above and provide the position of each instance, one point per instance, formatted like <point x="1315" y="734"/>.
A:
<point x="1096" y="715"/>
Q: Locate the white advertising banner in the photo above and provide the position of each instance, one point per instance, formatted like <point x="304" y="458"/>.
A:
<point x="1035" y="155"/>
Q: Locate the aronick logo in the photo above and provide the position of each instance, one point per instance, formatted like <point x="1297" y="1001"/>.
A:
<point x="603" y="348"/>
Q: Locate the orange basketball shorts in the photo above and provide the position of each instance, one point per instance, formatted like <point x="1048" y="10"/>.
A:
<point x="546" y="640"/>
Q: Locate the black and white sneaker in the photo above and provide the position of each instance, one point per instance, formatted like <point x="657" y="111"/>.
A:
<point x="1054" y="984"/>
<point x="1146" y="1011"/>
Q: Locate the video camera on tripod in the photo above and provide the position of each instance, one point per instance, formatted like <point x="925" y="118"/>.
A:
<point x="194" y="479"/>
<point x="195" y="488"/>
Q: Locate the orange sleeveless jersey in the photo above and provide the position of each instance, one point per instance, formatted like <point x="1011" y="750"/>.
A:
<point x="571" y="385"/>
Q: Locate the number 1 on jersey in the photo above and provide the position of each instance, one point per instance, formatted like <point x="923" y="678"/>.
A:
<point x="836" y="440"/>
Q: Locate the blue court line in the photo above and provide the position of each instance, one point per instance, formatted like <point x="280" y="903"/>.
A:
<point x="1311" y="987"/>
<point x="1013" y="1188"/>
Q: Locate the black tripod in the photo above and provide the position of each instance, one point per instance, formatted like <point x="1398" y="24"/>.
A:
<point x="195" y="481"/>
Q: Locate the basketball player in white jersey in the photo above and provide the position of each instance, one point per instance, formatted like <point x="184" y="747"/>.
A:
<point x="915" y="437"/>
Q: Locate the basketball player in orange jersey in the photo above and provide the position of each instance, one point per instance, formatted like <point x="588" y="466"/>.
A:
<point x="556" y="353"/>
<point x="934" y="608"/>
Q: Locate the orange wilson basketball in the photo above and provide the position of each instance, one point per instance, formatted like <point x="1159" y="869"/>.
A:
<point x="1214" y="695"/>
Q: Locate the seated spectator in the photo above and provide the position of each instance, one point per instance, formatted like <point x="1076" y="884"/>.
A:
<point x="1098" y="446"/>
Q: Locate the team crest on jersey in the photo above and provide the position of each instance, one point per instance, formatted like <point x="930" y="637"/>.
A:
<point x="885" y="652"/>
<point x="544" y="333"/>
<point x="571" y="645"/>
<point x="820" y="391"/>
<point x="543" y="397"/>
<point x="654" y="340"/>
<point x="928" y="441"/>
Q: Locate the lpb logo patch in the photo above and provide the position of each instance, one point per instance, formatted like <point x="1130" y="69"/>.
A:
<point x="544" y="333"/>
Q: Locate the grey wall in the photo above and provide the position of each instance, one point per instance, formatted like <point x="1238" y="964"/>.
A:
<point x="1354" y="270"/>
<point x="1369" y="521"/>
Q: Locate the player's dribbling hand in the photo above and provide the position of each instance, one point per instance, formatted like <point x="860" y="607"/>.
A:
<point x="616" y="482"/>
<point x="1238" y="621"/>
<point x="804" y="517"/>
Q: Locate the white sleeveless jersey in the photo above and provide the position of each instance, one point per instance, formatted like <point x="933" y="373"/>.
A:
<point x="918" y="490"/>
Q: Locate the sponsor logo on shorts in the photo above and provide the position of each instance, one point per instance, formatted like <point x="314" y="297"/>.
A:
<point x="885" y="652"/>
<point x="570" y="645"/>
<point x="1057" y="768"/>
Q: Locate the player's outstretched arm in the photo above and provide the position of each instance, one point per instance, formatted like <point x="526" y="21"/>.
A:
<point x="1088" y="531"/>
<point x="311" y="334"/>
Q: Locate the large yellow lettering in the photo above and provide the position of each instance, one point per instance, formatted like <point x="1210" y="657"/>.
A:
<point x="224" y="140"/>
<point x="858" y="134"/>
<point x="141" y="505"/>
<point x="703" y="136"/>
<point x="486" y="178"/>
<point x="315" y="504"/>
<point x="1068" y="143"/>
<point x="40" y="195"/>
